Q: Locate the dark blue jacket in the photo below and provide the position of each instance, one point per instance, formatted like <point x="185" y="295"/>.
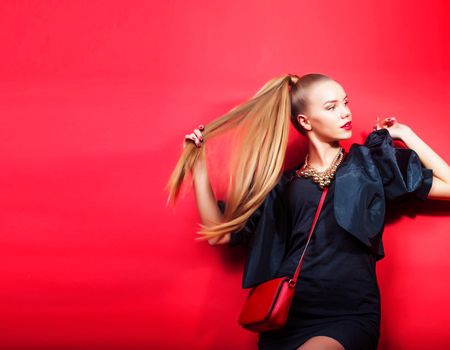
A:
<point x="372" y="174"/>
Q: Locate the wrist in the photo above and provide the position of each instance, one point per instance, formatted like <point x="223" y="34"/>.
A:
<point x="199" y="169"/>
<point x="408" y="136"/>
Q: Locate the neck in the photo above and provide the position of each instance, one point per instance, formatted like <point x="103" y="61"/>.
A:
<point x="321" y="154"/>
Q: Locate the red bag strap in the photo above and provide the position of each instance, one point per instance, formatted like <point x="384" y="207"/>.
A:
<point x="293" y="280"/>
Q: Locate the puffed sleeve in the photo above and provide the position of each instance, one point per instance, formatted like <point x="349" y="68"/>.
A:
<point x="242" y="236"/>
<point x="400" y="169"/>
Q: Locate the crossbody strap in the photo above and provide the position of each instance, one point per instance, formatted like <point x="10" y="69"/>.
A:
<point x="293" y="280"/>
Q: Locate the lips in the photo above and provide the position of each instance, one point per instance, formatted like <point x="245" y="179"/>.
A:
<point x="347" y="125"/>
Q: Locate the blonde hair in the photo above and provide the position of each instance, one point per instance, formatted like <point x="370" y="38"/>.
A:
<point x="256" y="165"/>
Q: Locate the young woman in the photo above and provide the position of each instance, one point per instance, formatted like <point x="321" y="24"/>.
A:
<point x="337" y="301"/>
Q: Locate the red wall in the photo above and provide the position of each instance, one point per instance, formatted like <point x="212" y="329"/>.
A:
<point x="96" y="97"/>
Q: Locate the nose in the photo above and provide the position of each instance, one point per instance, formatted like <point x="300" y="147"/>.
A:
<point x="346" y="113"/>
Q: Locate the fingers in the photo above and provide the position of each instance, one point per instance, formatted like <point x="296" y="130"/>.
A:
<point x="199" y="134"/>
<point x="385" y="123"/>
<point x="196" y="136"/>
<point x="193" y="137"/>
<point x="377" y="124"/>
<point x="390" y="121"/>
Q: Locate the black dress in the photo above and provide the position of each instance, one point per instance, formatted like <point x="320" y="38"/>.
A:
<point x="337" y="293"/>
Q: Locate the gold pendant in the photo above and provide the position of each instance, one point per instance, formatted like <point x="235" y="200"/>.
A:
<point x="322" y="178"/>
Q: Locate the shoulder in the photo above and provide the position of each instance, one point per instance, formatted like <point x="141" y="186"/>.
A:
<point x="378" y="141"/>
<point x="288" y="174"/>
<point x="375" y="139"/>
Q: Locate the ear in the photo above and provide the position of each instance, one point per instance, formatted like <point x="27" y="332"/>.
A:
<point x="303" y="120"/>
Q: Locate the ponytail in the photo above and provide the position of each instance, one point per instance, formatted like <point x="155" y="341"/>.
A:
<point x="256" y="164"/>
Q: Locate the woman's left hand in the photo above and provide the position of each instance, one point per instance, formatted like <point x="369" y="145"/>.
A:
<point x="396" y="129"/>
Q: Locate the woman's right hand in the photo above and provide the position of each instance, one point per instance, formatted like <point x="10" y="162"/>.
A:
<point x="204" y="196"/>
<point x="195" y="137"/>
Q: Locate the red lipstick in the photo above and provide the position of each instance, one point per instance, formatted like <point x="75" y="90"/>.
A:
<point x="347" y="126"/>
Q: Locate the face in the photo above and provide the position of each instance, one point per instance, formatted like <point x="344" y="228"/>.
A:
<point x="327" y="112"/>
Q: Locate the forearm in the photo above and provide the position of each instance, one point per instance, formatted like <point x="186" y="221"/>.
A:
<point x="206" y="202"/>
<point x="430" y="159"/>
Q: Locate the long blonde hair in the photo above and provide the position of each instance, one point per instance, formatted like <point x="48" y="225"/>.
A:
<point x="257" y="164"/>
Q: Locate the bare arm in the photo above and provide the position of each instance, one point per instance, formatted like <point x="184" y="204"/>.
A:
<point x="204" y="196"/>
<point x="206" y="202"/>
<point x="440" y="188"/>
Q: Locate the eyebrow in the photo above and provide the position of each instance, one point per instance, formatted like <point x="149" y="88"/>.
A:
<point x="334" y="100"/>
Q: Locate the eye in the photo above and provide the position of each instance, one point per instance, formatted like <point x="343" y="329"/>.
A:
<point x="333" y="107"/>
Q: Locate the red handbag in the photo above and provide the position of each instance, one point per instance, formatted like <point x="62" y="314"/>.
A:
<point x="267" y="305"/>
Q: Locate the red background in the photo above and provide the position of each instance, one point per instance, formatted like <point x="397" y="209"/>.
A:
<point x="96" y="97"/>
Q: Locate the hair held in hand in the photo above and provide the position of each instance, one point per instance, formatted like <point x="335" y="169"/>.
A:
<point x="256" y="165"/>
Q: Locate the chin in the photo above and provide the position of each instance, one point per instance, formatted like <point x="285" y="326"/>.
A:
<point x="348" y="134"/>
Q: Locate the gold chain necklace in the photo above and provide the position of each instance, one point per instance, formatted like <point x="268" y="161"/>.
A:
<point x="323" y="178"/>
